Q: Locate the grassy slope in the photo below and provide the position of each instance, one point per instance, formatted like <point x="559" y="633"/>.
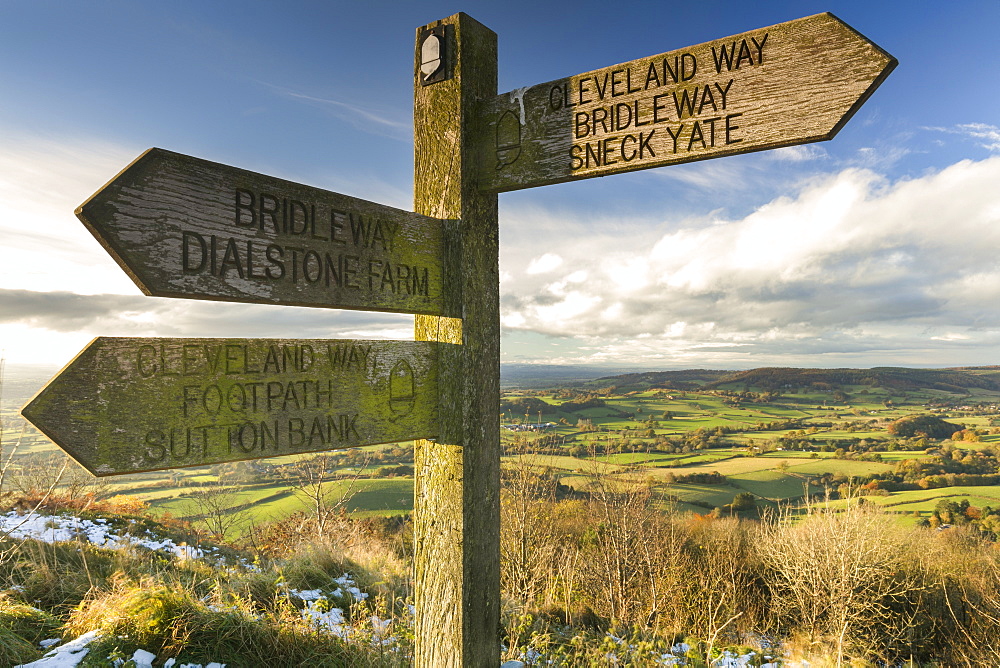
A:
<point x="389" y="496"/>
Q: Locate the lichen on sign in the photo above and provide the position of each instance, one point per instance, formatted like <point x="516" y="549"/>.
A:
<point x="125" y="405"/>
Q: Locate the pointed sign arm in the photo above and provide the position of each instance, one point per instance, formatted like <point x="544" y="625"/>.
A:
<point x="787" y="84"/>
<point x="184" y="227"/>
<point x="127" y="405"/>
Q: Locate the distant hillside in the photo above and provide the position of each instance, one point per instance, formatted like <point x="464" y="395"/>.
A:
<point x="21" y="382"/>
<point x="958" y="380"/>
<point x="896" y="378"/>
<point x="688" y="379"/>
<point x="538" y="376"/>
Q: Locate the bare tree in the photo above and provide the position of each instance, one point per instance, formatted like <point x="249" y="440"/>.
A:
<point x="7" y="467"/>
<point x="311" y="481"/>
<point x="841" y="575"/>
<point x="627" y="518"/>
<point x="721" y="579"/>
<point x="38" y="475"/>
<point x="11" y="471"/>
<point x="219" y="507"/>
<point x="527" y="543"/>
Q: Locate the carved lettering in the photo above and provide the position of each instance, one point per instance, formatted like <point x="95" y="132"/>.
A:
<point x="734" y="55"/>
<point x="228" y="258"/>
<point x="162" y="403"/>
<point x="177" y="446"/>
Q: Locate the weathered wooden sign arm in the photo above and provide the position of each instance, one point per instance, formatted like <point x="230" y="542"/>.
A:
<point x="185" y="227"/>
<point x="126" y="405"/>
<point x="788" y="84"/>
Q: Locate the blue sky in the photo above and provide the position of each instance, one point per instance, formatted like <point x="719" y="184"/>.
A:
<point x="876" y="248"/>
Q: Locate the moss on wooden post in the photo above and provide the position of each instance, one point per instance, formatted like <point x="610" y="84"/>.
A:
<point x="457" y="511"/>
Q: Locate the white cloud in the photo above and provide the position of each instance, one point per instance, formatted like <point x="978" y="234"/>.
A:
<point x="800" y="153"/>
<point x="988" y="136"/>
<point x="59" y="288"/>
<point x="847" y="268"/>
<point x="851" y="264"/>
<point x="389" y="124"/>
<point x="543" y="264"/>
<point x="40" y="327"/>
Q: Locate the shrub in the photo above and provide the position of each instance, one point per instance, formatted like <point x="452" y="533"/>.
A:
<point x="21" y="628"/>
<point x="170" y="620"/>
<point x="843" y="581"/>
<point x="927" y="425"/>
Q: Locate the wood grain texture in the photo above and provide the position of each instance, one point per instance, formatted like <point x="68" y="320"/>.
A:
<point x="456" y="509"/>
<point x="788" y="84"/>
<point x="125" y="405"/>
<point x="185" y="227"/>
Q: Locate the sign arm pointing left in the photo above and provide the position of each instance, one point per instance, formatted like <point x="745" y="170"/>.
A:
<point x="127" y="405"/>
<point x="184" y="227"/>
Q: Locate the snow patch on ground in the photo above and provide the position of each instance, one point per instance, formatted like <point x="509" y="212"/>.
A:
<point x="318" y="609"/>
<point x="65" y="656"/>
<point x="100" y="532"/>
<point x="72" y="653"/>
<point x="676" y="656"/>
<point x="61" y="528"/>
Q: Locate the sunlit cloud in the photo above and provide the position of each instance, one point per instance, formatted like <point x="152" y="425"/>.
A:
<point x="59" y="287"/>
<point x="42" y="181"/>
<point x="852" y="264"/>
<point x="544" y="264"/>
<point x="36" y="326"/>
<point x="844" y="268"/>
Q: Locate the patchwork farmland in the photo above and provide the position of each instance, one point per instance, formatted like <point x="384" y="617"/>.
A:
<point x="697" y="439"/>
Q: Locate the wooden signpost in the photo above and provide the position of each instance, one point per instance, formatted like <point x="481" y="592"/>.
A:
<point x="456" y="528"/>
<point x="184" y="227"/>
<point x="125" y="405"/>
<point x="788" y="84"/>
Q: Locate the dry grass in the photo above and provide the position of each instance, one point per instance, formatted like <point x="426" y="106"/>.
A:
<point x="849" y="587"/>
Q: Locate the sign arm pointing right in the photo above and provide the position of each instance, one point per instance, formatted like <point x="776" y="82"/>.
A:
<point x="787" y="84"/>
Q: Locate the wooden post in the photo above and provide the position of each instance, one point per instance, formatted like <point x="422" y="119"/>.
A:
<point x="457" y="492"/>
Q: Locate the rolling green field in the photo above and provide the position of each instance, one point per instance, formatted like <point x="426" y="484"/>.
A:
<point x="924" y="501"/>
<point x="275" y="502"/>
<point x="839" y="466"/>
<point x="772" y="485"/>
<point x="711" y="495"/>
